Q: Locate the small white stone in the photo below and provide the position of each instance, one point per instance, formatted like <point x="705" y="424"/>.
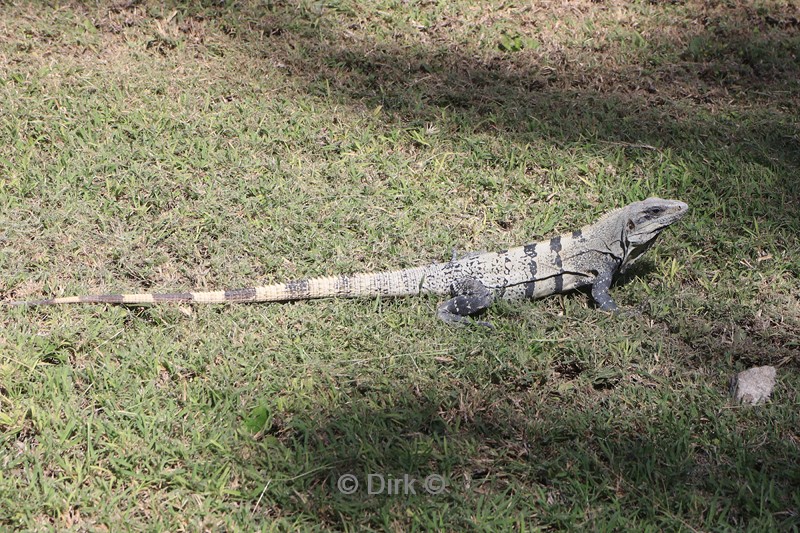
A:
<point x="753" y="385"/>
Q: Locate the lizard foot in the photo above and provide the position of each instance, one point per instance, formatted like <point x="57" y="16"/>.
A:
<point x="470" y="297"/>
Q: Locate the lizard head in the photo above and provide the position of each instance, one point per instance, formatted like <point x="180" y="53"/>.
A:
<point x="643" y="222"/>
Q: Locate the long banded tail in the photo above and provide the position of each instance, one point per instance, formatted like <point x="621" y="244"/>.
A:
<point x="395" y="283"/>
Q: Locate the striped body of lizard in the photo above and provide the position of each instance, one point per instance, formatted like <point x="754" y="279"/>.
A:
<point x="590" y="256"/>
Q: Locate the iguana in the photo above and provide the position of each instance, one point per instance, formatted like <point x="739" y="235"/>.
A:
<point x="590" y="256"/>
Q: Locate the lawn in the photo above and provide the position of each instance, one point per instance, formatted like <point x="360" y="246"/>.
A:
<point x="203" y="145"/>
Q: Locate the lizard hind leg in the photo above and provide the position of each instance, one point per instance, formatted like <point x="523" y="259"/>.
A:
<point x="469" y="297"/>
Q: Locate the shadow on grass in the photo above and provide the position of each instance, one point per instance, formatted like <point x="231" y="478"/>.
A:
<point x="729" y="87"/>
<point x="512" y="454"/>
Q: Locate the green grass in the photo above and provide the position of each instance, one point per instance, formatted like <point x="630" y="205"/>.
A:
<point x="205" y="145"/>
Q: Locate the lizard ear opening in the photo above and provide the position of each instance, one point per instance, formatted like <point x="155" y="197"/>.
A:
<point x="631" y="225"/>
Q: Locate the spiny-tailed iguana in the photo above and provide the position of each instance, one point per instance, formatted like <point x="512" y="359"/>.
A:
<point x="590" y="256"/>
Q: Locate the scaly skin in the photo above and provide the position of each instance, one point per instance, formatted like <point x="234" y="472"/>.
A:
<point x="590" y="256"/>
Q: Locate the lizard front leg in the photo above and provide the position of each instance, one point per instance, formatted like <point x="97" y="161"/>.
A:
<point x="469" y="297"/>
<point x="600" y="293"/>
